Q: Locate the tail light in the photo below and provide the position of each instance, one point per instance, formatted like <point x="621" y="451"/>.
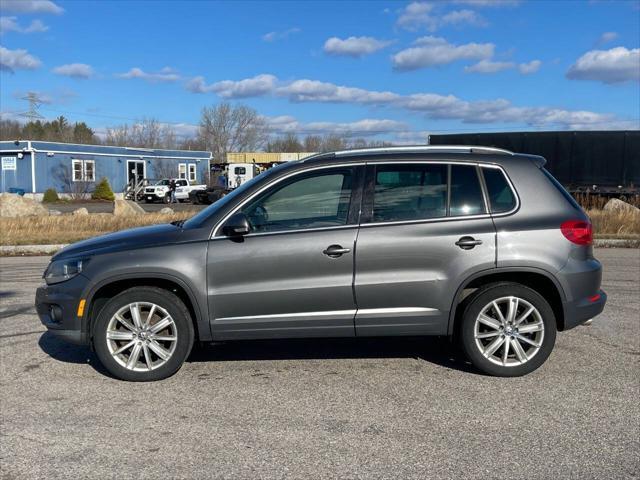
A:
<point x="579" y="232"/>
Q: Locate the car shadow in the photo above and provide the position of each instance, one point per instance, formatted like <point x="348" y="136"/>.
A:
<point x="434" y="350"/>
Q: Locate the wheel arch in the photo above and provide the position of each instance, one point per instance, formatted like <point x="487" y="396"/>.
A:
<point x="106" y="289"/>
<point x="537" y="279"/>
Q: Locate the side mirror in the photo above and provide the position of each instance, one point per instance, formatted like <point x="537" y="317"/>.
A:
<point x="236" y="225"/>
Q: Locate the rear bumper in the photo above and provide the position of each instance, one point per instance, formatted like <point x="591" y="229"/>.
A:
<point x="579" y="311"/>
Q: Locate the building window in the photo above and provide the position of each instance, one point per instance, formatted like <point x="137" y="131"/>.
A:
<point x="192" y="172"/>
<point x="83" y="170"/>
<point x="182" y="170"/>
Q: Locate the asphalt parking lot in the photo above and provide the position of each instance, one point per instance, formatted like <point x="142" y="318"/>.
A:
<point x="371" y="408"/>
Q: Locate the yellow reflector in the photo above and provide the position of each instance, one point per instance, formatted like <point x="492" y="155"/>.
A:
<point x="81" y="307"/>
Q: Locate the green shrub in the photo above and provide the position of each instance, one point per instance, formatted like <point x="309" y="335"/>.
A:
<point x="103" y="191"/>
<point x="50" y="196"/>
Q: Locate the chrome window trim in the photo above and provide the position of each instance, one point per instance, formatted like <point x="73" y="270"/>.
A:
<point x="277" y="181"/>
<point x="332" y="313"/>
<point x="511" y="186"/>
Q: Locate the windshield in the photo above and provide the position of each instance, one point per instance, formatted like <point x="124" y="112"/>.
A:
<point x="198" y="219"/>
<point x="162" y="182"/>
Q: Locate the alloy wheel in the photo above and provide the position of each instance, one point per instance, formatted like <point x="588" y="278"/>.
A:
<point x="141" y="336"/>
<point x="509" y="331"/>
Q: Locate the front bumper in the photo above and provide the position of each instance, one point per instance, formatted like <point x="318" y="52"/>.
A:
<point x="57" y="307"/>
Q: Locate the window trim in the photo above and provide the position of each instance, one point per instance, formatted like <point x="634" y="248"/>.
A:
<point x="191" y="166"/>
<point x="355" y="204"/>
<point x="368" y="193"/>
<point x="83" y="170"/>
<point x="509" y="182"/>
<point x="180" y="166"/>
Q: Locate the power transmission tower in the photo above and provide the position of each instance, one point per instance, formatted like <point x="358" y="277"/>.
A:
<point x="34" y="103"/>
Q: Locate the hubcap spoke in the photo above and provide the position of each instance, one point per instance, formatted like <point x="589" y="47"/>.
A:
<point x="531" y="328"/>
<point x="164" y="338"/>
<point x="489" y="322"/>
<point x="125" y="322"/>
<point x="120" y="335"/>
<point x="124" y="348"/>
<point x="525" y="315"/>
<point x="147" y="355"/>
<point x="135" y="354"/>
<point x="487" y="334"/>
<point x="493" y="346"/>
<point x="158" y="350"/>
<point x="513" y="308"/>
<point x="135" y="315"/>
<point x="150" y="316"/>
<point x="505" y="353"/>
<point x="496" y="309"/>
<point x="161" y="325"/>
<point x="517" y="348"/>
<point x="527" y="340"/>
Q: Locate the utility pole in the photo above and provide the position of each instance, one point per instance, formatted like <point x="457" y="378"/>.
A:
<point x="34" y="103"/>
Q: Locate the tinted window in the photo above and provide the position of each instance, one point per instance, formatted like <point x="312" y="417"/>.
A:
<point x="409" y="192"/>
<point x="240" y="170"/>
<point x="501" y="198"/>
<point x="313" y="201"/>
<point x="466" y="194"/>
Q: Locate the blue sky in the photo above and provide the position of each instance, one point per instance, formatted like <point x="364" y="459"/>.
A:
<point x="393" y="70"/>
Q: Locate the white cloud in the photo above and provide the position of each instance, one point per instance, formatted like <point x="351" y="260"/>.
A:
<point x="249" y="87"/>
<point x="488" y="66"/>
<point x="488" y="3"/>
<point x="431" y="105"/>
<point x="315" y="91"/>
<point x="12" y="60"/>
<point x="425" y="15"/>
<point x="531" y="67"/>
<point x="607" y="37"/>
<point x="608" y="66"/>
<point x="273" y="36"/>
<point x="354" y="46"/>
<point x="361" y="128"/>
<point x="433" y="51"/>
<point x="458" y="17"/>
<point x="74" y="70"/>
<point x="10" y="24"/>
<point x="167" y="74"/>
<point x="31" y="6"/>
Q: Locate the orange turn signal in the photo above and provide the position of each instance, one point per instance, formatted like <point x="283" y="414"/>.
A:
<point x="81" y="307"/>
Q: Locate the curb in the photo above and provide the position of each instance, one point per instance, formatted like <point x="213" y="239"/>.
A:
<point x="25" y="250"/>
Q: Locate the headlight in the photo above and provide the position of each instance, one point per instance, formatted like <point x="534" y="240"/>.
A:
<point x="63" y="270"/>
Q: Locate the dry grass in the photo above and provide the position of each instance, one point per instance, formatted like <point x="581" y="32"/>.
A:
<point x="591" y="201"/>
<point x="615" y="224"/>
<point x="69" y="228"/>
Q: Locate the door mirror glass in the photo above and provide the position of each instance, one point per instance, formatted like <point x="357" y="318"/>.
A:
<point x="236" y="225"/>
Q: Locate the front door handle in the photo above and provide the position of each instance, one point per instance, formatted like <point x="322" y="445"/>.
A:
<point x="467" y="243"/>
<point x="335" y="251"/>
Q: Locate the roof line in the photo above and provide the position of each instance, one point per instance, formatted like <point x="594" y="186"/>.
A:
<point x="423" y="148"/>
<point x="110" y="146"/>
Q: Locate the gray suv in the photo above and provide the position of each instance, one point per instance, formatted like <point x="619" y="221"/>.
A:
<point x="472" y="243"/>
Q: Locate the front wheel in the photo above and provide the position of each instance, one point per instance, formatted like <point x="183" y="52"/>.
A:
<point x="508" y="330"/>
<point x="143" y="334"/>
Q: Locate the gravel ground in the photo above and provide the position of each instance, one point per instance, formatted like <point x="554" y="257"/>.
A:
<point x="370" y="408"/>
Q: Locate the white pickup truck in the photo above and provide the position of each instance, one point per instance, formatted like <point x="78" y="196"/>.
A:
<point x="159" y="192"/>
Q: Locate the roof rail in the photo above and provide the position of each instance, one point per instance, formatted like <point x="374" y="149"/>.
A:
<point x="424" y="148"/>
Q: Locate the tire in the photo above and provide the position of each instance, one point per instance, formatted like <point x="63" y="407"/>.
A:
<point x="166" y="199"/>
<point x="160" y="354"/>
<point x="526" y="350"/>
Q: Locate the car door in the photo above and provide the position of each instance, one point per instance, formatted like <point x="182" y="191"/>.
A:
<point x="292" y="275"/>
<point x="424" y="228"/>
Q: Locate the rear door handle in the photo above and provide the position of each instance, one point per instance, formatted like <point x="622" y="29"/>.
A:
<point x="467" y="243"/>
<point x="335" y="251"/>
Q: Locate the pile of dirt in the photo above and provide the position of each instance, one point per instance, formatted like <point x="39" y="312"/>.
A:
<point x="127" y="208"/>
<point x="12" y="205"/>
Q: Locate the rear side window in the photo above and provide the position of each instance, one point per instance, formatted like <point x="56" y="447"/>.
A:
<point x="501" y="197"/>
<point x="466" y="193"/>
<point x="409" y="192"/>
<point x="561" y="189"/>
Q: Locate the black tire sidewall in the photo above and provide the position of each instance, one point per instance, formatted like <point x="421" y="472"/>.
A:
<point x="480" y="299"/>
<point x="166" y="300"/>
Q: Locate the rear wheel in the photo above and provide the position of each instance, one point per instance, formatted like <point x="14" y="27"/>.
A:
<point x="143" y="334"/>
<point x="508" y="330"/>
<point x="167" y="198"/>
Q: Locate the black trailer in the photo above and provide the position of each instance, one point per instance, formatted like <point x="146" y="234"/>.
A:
<point x="602" y="162"/>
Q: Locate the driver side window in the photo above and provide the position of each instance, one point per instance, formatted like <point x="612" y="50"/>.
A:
<point x="319" y="199"/>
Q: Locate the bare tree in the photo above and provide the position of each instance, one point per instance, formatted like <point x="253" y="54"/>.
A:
<point x="77" y="190"/>
<point x="146" y="133"/>
<point x="227" y="128"/>
<point x="286" y="143"/>
<point x="312" y="143"/>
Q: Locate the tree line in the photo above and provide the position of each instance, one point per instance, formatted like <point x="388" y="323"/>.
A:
<point x="222" y="128"/>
